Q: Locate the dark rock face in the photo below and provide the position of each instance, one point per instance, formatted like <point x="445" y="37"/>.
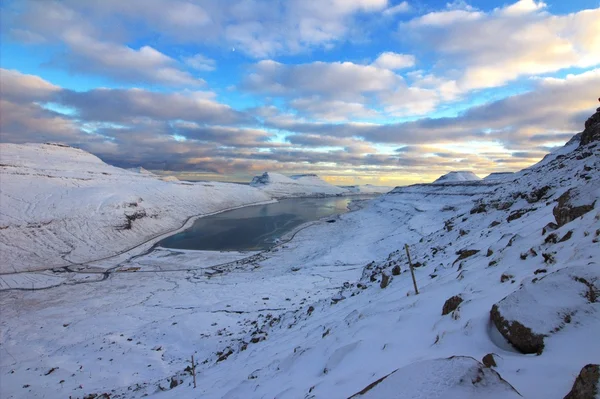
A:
<point x="385" y="280"/>
<point x="451" y="304"/>
<point x="587" y="383"/>
<point x="566" y="211"/>
<point x="592" y="129"/>
<point x="489" y="361"/>
<point x="521" y="337"/>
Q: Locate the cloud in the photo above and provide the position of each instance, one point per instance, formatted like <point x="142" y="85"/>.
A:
<point x="122" y="105"/>
<point x="521" y="39"/>
<point x="514" y="121"/>
<point x="201" y="63"/>
<point x="339" y="80"/>
<point x="19" y="87"/>
<point x="123" y="63"/>
<point x="394" y="61"/>
<point x="259" y="28"/>
<point x="399" y="8"/>
<point x="332" y="110"/>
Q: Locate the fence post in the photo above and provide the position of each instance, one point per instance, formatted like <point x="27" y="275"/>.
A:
<point x="412" y="272"/>
<point x="194" y="371"/>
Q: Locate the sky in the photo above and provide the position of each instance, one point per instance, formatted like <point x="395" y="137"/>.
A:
<point x="382" y="92"/>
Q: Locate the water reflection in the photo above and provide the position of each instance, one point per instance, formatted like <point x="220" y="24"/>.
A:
<point x="255" y="227"/>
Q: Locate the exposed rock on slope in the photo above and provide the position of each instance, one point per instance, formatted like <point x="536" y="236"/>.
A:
<point x="574" y="203"/>
<point x="543" y="307"/>
<point x="592" y="129"/>
<point x="587" y="384"/>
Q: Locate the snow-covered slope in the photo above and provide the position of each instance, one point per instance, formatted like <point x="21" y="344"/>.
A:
<point x="504" y="269"/>
<point x="63" y="206"/>
<point x="280" y="186"/>
<point x="498" y="176"/>
<point x="457" y="177"/>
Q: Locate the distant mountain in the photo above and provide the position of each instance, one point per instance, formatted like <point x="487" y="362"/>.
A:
<point x="309" y="185"/>
<point x="457" y="176"/>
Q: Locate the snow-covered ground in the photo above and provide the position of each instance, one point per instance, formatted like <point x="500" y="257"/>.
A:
<point x="333" y="311"/>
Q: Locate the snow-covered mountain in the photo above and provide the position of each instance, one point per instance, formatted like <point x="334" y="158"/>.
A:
<point x="508" y="276"/>
<point x="280" y="186"/>
<point x="457" y="177"/>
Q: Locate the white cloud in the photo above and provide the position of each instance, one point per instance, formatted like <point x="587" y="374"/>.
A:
<point x="394" y="61"/>
<point x="399" y="8"/>
<point x="124" y="63"/>
<point x="337" y="80"/>
<point x="201" y="63"/>
<point x="485" y="50"/>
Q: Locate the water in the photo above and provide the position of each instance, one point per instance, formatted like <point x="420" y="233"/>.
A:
<point x="255" y="227"/>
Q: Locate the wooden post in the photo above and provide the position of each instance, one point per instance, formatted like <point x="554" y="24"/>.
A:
<point x="412" y="272"/>
<point x="194" y="371"/>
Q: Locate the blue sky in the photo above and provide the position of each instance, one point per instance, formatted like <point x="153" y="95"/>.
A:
<point x="359" y="91"/>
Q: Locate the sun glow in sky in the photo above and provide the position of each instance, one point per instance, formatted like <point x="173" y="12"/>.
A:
<point x="358" y="91"/>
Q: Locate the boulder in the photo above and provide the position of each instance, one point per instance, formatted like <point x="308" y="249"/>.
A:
<point x="538" y="309"/>
<point x="451" y="304"/>
<point x="587" y="383"/>
<point x="592" y="129"/>
<point x="488" y="360"/>
<point x="572" y="204"/>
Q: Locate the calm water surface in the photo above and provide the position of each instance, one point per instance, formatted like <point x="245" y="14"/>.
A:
<point x="255" y="227"/>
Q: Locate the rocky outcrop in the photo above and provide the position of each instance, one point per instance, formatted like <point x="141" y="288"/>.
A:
<point x="538" y="309"/>
<point x="573" y="204"/>
<point x="451" y="304"/>
<point x="592" y="129"/>
<point x="587" y="383"/>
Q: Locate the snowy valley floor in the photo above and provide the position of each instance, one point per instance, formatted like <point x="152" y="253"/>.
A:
<point x="310" y="319"/>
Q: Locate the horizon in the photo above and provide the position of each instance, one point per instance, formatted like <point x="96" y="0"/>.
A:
<point x="381" y="92"/>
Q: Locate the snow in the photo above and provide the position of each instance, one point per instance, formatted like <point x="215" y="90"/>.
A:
<point x="498" y="176"/>
<point x="307" y="318"/>
<point x="452" y="378"/>
<point x="457" y="177"/>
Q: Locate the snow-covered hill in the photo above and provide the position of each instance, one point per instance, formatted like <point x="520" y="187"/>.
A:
<point x="62" y="206"/>
<point x="280" y="186"/>
<point x="509" y="286"/>
<point x="457" y="176"/>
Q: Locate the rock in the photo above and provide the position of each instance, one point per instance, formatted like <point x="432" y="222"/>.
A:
<point x="549" y="227"/>
<point x="385" y="280"/>
<point x="592" y="129"/>
<point x="451" y="304"/>
<point x="173" y="383"/>
<point x="488" y="360"/>
<point x="465" y="253"/>
<point x="396" y="270"/>
<point x="520" y="336"/>
<point x="538" y="309"/>
<point x="587" y="383"/>
<point x="573" y="204"/>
